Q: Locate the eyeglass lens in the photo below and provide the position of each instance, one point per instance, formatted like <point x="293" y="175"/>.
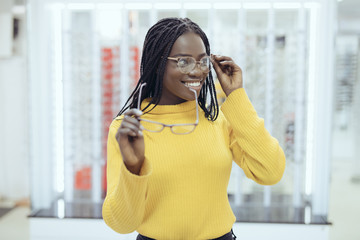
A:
<point x="177" y="129"/>
<point x="152" y="126"/>
<point x="183" y="129"/>
<point x="187" y="64"/>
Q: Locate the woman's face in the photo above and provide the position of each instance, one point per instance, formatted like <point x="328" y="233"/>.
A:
<point x="175" y="83"/>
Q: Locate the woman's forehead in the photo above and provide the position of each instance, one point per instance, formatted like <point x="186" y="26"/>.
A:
<point x="188" y="44"/>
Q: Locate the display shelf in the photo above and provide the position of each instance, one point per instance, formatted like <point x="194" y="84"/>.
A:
<point x="251" y="210"/>
<point x="96" y="53"/>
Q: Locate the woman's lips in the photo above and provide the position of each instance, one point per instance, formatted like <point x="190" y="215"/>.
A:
<point x="194" y="84"/>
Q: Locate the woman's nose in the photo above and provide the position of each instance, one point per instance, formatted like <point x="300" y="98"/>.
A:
<point x="197" y="72"/>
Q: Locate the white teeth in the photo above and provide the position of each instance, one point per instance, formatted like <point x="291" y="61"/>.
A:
<point x="192" y="84"/>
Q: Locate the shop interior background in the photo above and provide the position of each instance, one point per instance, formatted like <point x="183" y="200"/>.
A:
<point x="62" y="71"/>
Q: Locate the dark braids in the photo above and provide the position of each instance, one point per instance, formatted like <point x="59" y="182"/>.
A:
<point x="157" y="46"/>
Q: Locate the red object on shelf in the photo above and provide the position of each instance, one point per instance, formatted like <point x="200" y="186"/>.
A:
<point x="104" y="180"/>
<point x="110" y="75"/>
<point x="135" y="70"/>
<point x="83" y="179"/>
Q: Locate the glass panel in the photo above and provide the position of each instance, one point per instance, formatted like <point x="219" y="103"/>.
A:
<point x="91" y="56"/>
<point x="226" y="28"/>
<point x="284" y="105"/>
<point x="109" y="24"/>
<point x="286" y="21"/>
<point x="167" y="13"/>
<point x="255" y="45"/>
<point x="200" y="17"/>
<point x="139" y="24"/>
<point x="79" y="107"/>
<point x="256" y="21"/>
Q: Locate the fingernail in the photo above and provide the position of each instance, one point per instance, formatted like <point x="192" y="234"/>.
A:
<point x="140" y="133"/>
<point x="141" y="127"/>
<point x="139" y="112"/>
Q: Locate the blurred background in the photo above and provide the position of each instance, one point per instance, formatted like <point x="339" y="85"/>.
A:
<point x="67" y="67"/>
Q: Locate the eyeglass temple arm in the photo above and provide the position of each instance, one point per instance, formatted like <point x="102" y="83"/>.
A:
<point x="139" y="97"/>
<point x="197" y="108"/>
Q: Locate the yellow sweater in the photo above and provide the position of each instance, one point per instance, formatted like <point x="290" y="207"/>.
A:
<point x="181" y="192"/>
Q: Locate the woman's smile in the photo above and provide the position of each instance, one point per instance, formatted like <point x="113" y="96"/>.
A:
<point x="194" y="84"/>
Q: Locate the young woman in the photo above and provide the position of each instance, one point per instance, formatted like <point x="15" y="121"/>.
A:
<point x="170" y="149"/>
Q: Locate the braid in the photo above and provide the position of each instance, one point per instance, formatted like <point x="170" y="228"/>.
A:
<point x="157" y="46"/>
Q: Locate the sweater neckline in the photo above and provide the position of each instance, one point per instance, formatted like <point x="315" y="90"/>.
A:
<point x="166" y="109"/>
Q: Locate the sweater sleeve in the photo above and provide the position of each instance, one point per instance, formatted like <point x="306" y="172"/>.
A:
<point x="253" y="148"/>
<point x="124" y="205"/>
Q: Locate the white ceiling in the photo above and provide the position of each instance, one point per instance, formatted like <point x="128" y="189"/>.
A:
<point x="347" y="9"/>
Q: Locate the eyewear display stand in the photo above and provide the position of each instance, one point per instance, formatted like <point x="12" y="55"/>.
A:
<point x="84" y="61"/>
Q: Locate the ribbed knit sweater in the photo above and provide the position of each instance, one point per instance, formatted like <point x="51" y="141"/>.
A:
<point x="181" y="192"/>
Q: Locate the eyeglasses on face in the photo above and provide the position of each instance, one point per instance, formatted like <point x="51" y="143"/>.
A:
<point x="187" y="64"/>
<point x="180" y="129"/>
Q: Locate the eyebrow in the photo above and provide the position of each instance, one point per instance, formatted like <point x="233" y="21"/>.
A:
<point x="188" y="55"/>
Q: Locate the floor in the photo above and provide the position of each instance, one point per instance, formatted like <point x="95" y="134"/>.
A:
<point x="15" y="225"/>
<point x="344" y="207"/>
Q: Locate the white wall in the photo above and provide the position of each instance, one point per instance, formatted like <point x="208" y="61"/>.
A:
<point x="14" y="162"/>
<point x="5" y="34"/>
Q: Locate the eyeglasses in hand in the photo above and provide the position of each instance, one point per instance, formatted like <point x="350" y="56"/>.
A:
<point x="181" y="129"/>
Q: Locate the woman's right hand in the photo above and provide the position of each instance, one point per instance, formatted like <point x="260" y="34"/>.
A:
<point x="131" y="141"/>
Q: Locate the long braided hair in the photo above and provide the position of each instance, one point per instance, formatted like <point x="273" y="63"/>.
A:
<point x="157" y="46"/>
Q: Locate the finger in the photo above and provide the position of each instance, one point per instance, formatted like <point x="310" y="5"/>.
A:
<point x="131" y="126"/>
<point x="230" y="67"/>
<point x="127" y="132"/>
<point x="217" y="68"/>
<point x="230" y="64"/>
<point x="224" y="70"/>
<point x="130" y="132"/>
<point x="133" y="112"/>
<point x="219" y="58"/>
<point x="225" y="61"/>
<point x="132" y="120"/>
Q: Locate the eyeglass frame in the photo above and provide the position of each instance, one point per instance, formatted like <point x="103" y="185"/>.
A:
<point x="169" y="125"/>
<point x="196" y="62"/>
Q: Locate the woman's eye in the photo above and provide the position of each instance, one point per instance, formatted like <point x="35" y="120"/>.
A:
<point x="183" y="61"/>
<point x="205" y="62"/>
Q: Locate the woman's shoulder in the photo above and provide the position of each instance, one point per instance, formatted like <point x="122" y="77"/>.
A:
<point x="116" y="122"/>
<point x="118" y="118"/>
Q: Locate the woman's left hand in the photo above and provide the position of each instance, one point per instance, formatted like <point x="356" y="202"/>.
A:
<point x="228" y="73"/>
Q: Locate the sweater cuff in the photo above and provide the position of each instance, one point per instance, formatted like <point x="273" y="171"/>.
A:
<point x="131" y="185"/>
<point x="145" y="171"/>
